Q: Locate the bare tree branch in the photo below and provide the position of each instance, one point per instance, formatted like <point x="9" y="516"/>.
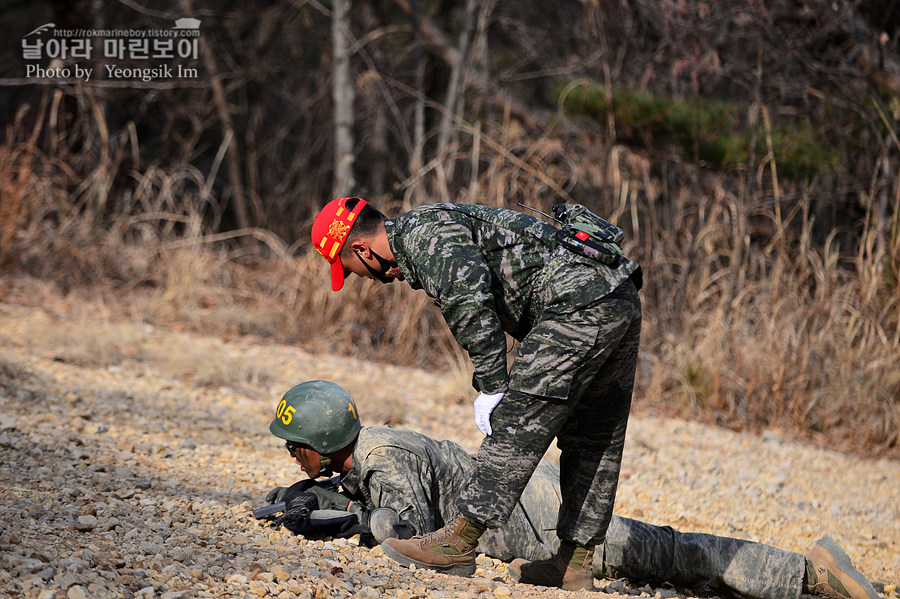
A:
<point x="447" y="52"/>
<point x="343" y="94"/>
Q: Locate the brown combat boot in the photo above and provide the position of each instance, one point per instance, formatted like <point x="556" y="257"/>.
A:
<point x="555" y="572"/>
<point x="832" y="575"/>
<point x="443" y="550"/>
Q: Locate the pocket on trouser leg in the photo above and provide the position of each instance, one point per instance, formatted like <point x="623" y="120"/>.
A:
<point x="550" y="356"/>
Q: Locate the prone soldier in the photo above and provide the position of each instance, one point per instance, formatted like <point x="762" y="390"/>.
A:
<point x="400" y="483"/>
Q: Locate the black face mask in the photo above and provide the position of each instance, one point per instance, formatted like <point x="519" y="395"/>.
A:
<point x="388" y="271"/>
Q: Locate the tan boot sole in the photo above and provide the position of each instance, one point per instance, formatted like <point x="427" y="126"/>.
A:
<point x="457" y="569"/>
<point x="842" y="561"/>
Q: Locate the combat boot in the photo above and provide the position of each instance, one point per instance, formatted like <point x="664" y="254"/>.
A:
<point x="450" y="549"/>
<point x="830" y="573"/>
<point x="556" y="571"/>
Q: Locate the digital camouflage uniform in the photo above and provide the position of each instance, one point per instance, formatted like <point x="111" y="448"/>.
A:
<point x="418" y="477"/>
<point x="578" y="321"/>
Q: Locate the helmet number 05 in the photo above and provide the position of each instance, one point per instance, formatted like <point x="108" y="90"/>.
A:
<point x="284" y="412"/>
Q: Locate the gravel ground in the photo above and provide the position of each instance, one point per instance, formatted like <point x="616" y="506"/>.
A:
<point x="131" y="456"/>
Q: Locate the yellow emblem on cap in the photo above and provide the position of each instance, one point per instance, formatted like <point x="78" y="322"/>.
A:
<point x="338" y="230"/>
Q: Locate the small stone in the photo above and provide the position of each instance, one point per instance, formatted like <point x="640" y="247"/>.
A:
<point x="78" y="592"/>
<point x="67" y="580"/>
<point x="35" y="510"/>
<point x="143" y="483"/>
<point x="86" y="523"/>
<point x="616" y="586"/>
<point x="280" y="574"/>
<point x="502" y="592"/>
<point x="123" y="472"/>
<point x="294" y="586"/>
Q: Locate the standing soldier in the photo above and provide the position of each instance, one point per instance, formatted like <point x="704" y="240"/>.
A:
<point x="578" y="319"/>
<point x="400" y="483"/>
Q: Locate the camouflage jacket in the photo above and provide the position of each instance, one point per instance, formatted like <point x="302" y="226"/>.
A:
<point x="420" y="477"/>
<point x="488" y="268"/>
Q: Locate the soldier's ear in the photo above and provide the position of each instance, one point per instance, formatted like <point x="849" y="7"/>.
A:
<point x="359" y="246"/>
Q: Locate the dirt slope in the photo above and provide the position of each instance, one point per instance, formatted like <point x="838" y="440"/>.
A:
<point x="130" y="457"/>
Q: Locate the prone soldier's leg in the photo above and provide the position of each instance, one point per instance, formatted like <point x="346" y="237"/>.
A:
<point x="642" y="552"/>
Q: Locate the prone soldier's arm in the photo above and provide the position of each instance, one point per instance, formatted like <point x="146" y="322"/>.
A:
<point x="329" y="484"/>
<point x="400" y="479"/>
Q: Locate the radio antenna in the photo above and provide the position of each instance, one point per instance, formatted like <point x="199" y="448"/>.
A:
<point x="538" y="211"/>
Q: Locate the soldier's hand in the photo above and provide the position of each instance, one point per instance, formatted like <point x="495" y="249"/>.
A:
<point x="279" y="494"/>
<point x="330" y="500"/>
<point x="276" y="495"/>
<point x="484" y="405"/>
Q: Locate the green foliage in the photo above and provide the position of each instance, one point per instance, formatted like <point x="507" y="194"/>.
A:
<point x="798" y="153"/>
<point x="706" y="131"/>
<point x="696" y="385"/>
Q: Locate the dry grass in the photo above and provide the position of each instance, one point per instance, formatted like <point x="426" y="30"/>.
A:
<point x="781" y="334"/>
<point x="748" y="323"/>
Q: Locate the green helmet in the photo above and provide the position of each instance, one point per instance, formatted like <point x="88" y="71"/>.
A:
<point x="319" y="414"/>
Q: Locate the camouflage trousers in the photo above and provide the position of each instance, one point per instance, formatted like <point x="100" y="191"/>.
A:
<point x="601" y="342"/>
<point x="639" y="551"/>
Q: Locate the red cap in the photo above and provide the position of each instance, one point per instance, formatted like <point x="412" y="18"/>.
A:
<point x="330" y="231"/>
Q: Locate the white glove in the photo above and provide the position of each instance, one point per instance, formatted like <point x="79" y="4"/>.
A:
<point x="484" y="405"/>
